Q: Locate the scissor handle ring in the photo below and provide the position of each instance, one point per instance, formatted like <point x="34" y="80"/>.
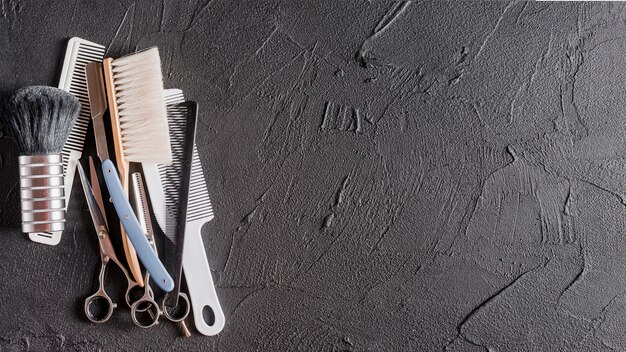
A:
<point x="133" y="286"/>
<point x="99" y="296"/>
<point x="182" y="297"/>
<point x="148" y="297"/>
<point x="147" y="306"/>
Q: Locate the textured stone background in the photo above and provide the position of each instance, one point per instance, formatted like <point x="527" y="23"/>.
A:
<point x="386" y="176"/>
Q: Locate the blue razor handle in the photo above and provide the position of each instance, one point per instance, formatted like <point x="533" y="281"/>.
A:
<point x="136" y="235"/>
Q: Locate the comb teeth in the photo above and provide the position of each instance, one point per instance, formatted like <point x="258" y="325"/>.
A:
<point x="199" y="204"/>
<point x="138" y="86"/>
<point x="173" y="96"/>
<point x="171" y="174"/>
<point x="80" y="52"/>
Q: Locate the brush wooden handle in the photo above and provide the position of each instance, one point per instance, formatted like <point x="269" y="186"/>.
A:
<point x="122" y="166"/>
<point x="129" y="249"/>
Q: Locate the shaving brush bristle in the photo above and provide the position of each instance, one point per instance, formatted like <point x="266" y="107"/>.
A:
<point x="41" y="118"/>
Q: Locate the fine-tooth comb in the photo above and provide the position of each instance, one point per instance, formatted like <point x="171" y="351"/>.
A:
<point x="177" y="177"/>
<point x="200" y="208"/>
<point x="199" y="211"/>
<point x="79" y="52"/>
<point x="171" y="174"/>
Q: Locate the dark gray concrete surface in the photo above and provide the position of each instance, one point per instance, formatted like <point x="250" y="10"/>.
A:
<point x="386" y="177"/>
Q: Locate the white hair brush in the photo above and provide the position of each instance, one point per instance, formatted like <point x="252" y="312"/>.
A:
<point x="134" y="86"/>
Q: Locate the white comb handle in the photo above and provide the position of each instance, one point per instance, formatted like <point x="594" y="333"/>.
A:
<point x="200" y="283"/>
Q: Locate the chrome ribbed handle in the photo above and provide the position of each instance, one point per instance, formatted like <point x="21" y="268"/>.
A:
<point x="42" y="193"/>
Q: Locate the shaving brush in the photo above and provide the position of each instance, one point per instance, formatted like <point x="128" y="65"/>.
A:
<point x="40" y="118"/>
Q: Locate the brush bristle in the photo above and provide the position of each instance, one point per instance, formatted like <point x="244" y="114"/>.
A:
<point x="138" y="85"/>
<point x="41" y="118"/>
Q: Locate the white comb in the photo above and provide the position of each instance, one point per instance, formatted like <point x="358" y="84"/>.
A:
<point x="199" y="211"/>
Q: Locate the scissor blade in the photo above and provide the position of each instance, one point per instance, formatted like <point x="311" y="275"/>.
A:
<point x="141" y="207"/>
<point x="97" y="192"/>
<point x="97" y="217"/>
<point x="94" y="209"/>
<point x="98" y="105"/>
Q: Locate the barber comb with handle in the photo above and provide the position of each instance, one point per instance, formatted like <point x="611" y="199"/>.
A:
<point x="41" y="118"/>
<point x="207" y="312"/>
<point x="195" y="262"/>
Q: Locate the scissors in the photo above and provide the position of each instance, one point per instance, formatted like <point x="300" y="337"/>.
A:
<point x="145" y="311"/>
<point x="107" y="253"/>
